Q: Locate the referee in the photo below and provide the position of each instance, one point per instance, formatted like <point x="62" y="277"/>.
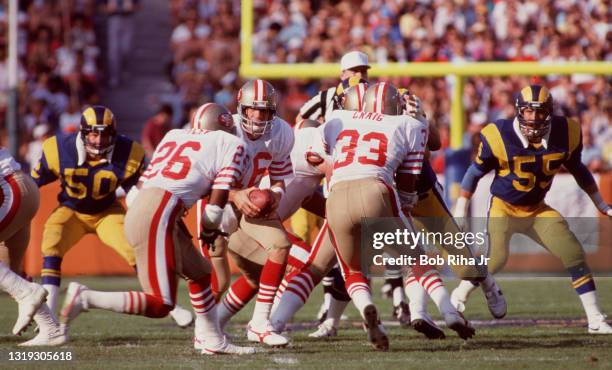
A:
<point x="353" y="64"/>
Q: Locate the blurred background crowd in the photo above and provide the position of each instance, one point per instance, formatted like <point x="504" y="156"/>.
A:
<point x="61" y="66"/>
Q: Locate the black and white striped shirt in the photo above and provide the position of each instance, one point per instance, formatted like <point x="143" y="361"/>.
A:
<point x="320" y="105"/>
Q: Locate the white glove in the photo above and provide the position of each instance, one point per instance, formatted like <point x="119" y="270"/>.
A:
<point x="414" y="108"/>
<point x="461" y="211"/>
<point x="408" y="199"/>
<point x="601" y="205"/>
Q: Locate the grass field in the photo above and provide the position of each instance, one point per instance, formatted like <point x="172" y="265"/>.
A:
<point x="542" y="331"/>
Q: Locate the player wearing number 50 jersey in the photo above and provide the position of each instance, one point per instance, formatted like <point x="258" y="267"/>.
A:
<point x="188" y="164"/>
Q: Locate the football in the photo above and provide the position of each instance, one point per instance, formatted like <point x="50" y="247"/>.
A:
<point x="262" y="198"/>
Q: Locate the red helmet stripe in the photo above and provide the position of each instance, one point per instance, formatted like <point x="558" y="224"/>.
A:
<point x="360" y="91"/>
<point x="263" y="90"/>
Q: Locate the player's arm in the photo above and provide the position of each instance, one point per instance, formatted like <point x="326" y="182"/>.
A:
<point x="409" y="170"/>
<point x="281" y="168"/>
<point x="48" y="167"/>
<point x="483" y="163"/>
<point x="312" y="109"/>
<point x="134" y="167"/>
<point x="585" y="179"/>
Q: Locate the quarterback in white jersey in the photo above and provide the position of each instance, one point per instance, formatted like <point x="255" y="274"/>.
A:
<point x="186" y="166"/>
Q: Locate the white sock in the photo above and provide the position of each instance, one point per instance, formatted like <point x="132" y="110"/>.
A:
<point x="336" y="309"/>
<point x="591" y="306"/>
<point x="113" y="301"/>
<point x="360" y="295"/>
<point x="207" y="328"/>
<point x="417" y="296"/>
<point x="289" y="304"/>
<point x="432" y="282"/>
<point x="398" y="296"/>
<point x="52" y="297"/>
<point x="16" y="286"/>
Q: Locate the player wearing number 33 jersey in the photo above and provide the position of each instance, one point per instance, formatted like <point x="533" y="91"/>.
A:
<point x="90" y="165"/>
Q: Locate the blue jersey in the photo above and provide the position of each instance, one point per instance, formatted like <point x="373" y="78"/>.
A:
<point x="88" y="187"/>
<point x="524" y="171"/>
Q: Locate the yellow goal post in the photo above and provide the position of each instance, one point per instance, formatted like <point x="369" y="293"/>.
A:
<point x="460" y="71"/>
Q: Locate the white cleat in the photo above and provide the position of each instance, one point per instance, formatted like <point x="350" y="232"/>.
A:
<point x="265" y="334"/>
<point x="28" y="305"/>
<point x="325" y="330"/>
<point x="181" y="316"/>
<point x="496" y="301"/>
<point x="461" y="293"/>
<point x="50" y="333"/>
<point x="600" y="327"/>
<point x="74" y="303"/>
<point x="458" y="323"/>
<point x="226" y="348"/>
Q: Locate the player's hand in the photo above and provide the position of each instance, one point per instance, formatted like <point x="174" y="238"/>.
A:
<point x="414" y="107"/>
<point x="243" y="203"/>
<point x="609" y="211"/>
<point x="209" y="236"/>
<point x="461" y="211"/>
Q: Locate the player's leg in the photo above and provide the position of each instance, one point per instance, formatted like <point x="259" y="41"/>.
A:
<point x="249" y="257"/>
<point x="62" y="230"/>
<point x="433" y="214"/>
<point x="501" y="225"/>
<point x="209" y="338"/>
<point x="553" y="232"/>
<point x="301" y="283"/>
<point x="339" y="300"/>
<point x="107" y="224"/>
<point x="272" y="236"/>
<point x="347" y="204"/>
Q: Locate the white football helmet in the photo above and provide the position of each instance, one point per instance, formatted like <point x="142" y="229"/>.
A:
<point x="257" y="94"/>
<point x="213" y="117"/>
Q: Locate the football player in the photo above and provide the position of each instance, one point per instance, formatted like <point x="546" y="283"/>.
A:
<point x="432" y="214"/>
<point x="187" y="165"/>
<point x="269" y="141"/>
<point x="19" y="203"/>
<point x="90" y="165"/>
<point x="526" y="152"/>
<point x="370" y="152"/>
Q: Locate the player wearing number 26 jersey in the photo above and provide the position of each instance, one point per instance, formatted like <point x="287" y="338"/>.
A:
<point x="186" y="166"/>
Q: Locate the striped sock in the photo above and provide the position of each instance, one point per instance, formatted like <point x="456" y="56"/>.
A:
<point x="294" y="297"/>
<point x="203" y="303"/>
<point x="239" y="294"/>
<point x="271" y="276"/>
<point x="51" y="279"/>
<point x="432" y="282"/>
<point x="133" y="303"/>
<point x="359" y="290"/>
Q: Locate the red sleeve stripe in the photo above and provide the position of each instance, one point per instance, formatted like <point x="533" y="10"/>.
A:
<point x="414" y="153"/>
<point x="412" y="160"/>
<point x="226" y="175"/>
<point x="272" y="168"/>
<point x="410" y="172"/>
<point x="279" y="163"/>
<point x="230" y="168"/>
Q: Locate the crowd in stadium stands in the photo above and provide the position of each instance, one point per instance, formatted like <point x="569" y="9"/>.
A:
<point x="58" y="68"/>
<point x="206" y="53"/>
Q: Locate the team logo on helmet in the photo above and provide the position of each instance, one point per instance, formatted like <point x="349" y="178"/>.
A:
<point x="213" y="117"/>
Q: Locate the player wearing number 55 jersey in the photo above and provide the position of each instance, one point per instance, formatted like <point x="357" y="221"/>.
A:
<point x="188" y="164"/>
<point x="525" y="154"/>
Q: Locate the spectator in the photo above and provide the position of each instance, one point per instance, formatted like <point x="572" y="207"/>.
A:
<point x="155" y="129"/>
<point x="120" y="33"/>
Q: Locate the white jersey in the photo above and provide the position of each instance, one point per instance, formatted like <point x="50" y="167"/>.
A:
<point x="270" y="154"/>
<point x="307" y="140"/>
<point x="8" y="164"/>
<point x="189" y="163"/>
<point x="365" y="144"/>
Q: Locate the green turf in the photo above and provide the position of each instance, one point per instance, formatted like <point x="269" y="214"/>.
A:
<point x="107" y="340"/>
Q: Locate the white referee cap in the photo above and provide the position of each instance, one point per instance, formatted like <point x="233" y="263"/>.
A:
<point x="354" y="59"/>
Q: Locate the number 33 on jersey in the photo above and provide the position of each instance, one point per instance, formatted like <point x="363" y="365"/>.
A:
<point x="367" y="144"/>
